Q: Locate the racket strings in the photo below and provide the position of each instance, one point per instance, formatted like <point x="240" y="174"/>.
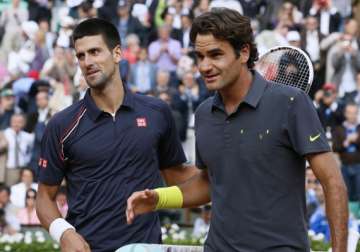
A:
<point x="287" y="67"/>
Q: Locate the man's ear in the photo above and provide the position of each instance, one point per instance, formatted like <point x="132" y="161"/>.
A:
<point x="245" y="53"/>
<point x="117" y="54"/>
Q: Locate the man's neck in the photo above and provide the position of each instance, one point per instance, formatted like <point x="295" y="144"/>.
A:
<point x="110" y="98"/>
<point x="235" y="94"/>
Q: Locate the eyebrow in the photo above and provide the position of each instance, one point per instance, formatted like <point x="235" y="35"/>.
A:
<point x="212" y="51"/>
<point x="88" y="50"/>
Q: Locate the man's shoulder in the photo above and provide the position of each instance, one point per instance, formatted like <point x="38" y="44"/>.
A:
<point x="19" y="186"/>
<point x="281" y="95"/>
<point x="150" y="103"/>
<point x="205" y="106"/>
<point x="281" y="90"/>
<point x="66" y="116"/>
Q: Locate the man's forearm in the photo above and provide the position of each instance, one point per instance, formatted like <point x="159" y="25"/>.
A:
<point x="196" y="191"/>
<point x="337" y="214"/>
<point x="46" y="207"/>
<point x="327" y="170"/>
<point x="179" y="174"/>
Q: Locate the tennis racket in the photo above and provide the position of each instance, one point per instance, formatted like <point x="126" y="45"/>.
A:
<point x="287" y="65"/>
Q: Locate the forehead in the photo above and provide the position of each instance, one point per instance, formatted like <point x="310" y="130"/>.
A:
<point x="207" y="42"/>
<point x="88" y="42"/>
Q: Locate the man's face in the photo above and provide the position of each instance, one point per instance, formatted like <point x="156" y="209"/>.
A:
<point x="188" y="80"/>
<point x="17" y="123"/>
<point x="164" y="33"/>
<point x="217" y="61"/>
<point x="4" y="198"/>
<point x="97" y="63"/>
<point x="27" y="177"/>
<point x="8" y="102"/>
<point x="311" y="24"/>
<point x="351" y="114"/>
<point x="42" y="100"/>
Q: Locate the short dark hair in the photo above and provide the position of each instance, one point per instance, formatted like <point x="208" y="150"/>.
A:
<point x="97" y="26"/>
<point x="229" y="25"/>
<point x="4" y="187"/>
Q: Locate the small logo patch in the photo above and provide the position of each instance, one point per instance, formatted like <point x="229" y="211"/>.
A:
<point x="141" y="122"/>
<point x="42" y="163"/>
<point x="314" y="138"/>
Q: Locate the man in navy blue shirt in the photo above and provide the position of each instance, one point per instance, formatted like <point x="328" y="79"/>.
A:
<point x="106" y="146"/>
<point x="252" y="139"/>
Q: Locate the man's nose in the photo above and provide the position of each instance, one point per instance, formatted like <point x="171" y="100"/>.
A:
<point x="204" y="65"/>
<point x="88" y="60"/>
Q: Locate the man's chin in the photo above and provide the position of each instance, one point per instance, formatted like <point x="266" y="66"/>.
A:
<point x="213" y="86"/>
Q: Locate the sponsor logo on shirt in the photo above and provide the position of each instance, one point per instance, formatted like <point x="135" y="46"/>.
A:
<point x="314" y="138"/>
<point x="42" y="163"/>
<point x="141" y="122"/>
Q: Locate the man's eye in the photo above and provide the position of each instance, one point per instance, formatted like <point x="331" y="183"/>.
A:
<point x="216" y="55"/>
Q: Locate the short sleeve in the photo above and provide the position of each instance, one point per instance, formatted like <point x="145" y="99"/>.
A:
<point x="51" y="162"/>
<point x="304" y="127"/>
<point x="198" y="160"/>
<point x="170" y="150"/>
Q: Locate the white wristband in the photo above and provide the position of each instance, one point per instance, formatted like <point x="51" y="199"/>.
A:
<point x="58" y="227"/>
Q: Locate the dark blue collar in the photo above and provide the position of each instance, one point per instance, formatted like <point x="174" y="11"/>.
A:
<point x="253" y="96"/>
<point x="94" y="111"/>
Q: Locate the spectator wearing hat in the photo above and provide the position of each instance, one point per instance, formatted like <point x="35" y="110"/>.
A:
<point x="329" y="107"/>
<point x="293" y="37"/>
<point x="66" y="28"/>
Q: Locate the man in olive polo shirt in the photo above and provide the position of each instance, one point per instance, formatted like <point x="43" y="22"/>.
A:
<point x="252" y="140"/>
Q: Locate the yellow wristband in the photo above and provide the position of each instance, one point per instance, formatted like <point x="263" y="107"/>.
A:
<point x="169" y="197"/>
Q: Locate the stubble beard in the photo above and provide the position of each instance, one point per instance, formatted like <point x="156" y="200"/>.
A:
<point x="102" y="81"/>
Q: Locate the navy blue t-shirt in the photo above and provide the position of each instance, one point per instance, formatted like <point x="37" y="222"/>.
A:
<point x="256" y="165"/>
<point x="104" y="159"/>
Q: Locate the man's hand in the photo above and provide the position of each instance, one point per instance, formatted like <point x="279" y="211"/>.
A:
<point x="140" y="203"/>
<point x="73" y="242"/>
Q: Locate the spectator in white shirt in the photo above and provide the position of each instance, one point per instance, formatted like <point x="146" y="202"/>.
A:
<point x="20" y="144"/>
<point x="9" y="222"/>
<point x="18" y="191"/>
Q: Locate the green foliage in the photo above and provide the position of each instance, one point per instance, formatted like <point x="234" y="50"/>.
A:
<point x="47" y="246"/>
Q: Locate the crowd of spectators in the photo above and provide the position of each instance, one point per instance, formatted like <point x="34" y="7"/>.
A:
<point x="39" y="76"/>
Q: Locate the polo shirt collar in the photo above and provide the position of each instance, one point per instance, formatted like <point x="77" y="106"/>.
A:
<point x="256" y="90"/>
<point x="253" y="96"/>
<point x="94" y="111"/>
